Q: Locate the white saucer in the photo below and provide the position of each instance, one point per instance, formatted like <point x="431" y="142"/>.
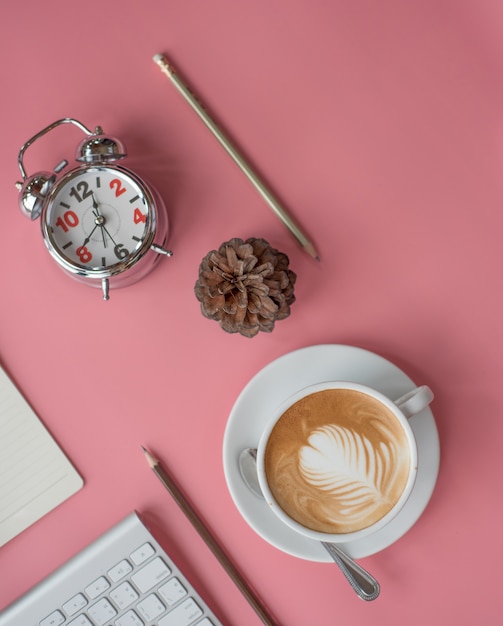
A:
<point x="283" y="377"/>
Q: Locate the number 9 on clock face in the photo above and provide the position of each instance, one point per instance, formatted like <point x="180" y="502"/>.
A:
<point x="99" y="220"/>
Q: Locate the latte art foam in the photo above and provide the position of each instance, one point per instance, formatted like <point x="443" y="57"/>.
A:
<point x="337" y="461"/>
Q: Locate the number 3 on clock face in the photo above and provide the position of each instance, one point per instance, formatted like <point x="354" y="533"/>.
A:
<point x="99" y="219"/>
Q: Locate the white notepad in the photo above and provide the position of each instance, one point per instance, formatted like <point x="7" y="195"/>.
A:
<point x="35" y="475"/>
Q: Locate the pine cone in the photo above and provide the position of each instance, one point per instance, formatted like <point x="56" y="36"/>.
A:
<point x="245" y="286"/>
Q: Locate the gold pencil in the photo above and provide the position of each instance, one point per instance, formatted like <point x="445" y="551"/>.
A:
<point x="238" y="158"/>
<point x="210" y="541"/>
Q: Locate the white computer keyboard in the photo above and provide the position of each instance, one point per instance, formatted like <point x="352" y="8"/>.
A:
<point x="125" y="578"/>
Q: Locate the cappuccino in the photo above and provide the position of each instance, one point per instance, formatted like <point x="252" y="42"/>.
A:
<point x="337" y="461"/>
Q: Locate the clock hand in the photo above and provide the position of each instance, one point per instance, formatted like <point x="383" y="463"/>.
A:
<point x="88" y="238"/>
<point x="103" y="236"/>
<point x="95" y="202"/>
<point x="99" y="220"/>
<point x="104" y="228"/>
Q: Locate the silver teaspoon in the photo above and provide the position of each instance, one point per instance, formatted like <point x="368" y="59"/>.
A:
<point x="363" y="583"/>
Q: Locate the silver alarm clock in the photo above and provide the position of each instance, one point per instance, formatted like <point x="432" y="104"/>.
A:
<point x="102" y="223"/>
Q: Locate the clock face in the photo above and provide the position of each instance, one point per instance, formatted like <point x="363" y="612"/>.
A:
<point x="99" y="220"/>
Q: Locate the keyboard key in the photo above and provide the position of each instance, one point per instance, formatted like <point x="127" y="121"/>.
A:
<point x="81" y="620"/>
<point x="124" y="595"/>
<point x="120" y="570"/>
<point x="151" y="607"/>
<point x="147" y="577"/>
<point x="129" y="619"/>
<point x="143" y="553"/>
<point x="54" y="619"/>
<point x="96" y="588"/>
<point x="172" y="591"/>
<point x="205" y="622"/>
<point x="182" y="615"/>
<point x="75" y="604"/>
<point x="102" y="612"/>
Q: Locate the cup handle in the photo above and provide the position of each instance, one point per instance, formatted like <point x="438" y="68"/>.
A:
<point x="415" y="401"/>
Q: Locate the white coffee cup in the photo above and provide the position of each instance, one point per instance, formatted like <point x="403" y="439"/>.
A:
<point x="337" y="461"/>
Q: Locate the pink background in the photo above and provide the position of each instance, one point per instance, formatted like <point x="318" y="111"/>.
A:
<point x="380" y="125"/>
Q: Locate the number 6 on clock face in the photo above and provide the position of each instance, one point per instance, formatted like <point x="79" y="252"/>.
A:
<point x="99" y="219"/>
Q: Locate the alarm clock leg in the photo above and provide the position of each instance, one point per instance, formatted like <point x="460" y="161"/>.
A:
<point x="161" y="250"/>
<point x="105" y="287"/>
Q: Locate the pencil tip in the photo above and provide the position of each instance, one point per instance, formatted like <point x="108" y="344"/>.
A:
<point x="151" y="459"/>
<point x="309" y="248"/>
